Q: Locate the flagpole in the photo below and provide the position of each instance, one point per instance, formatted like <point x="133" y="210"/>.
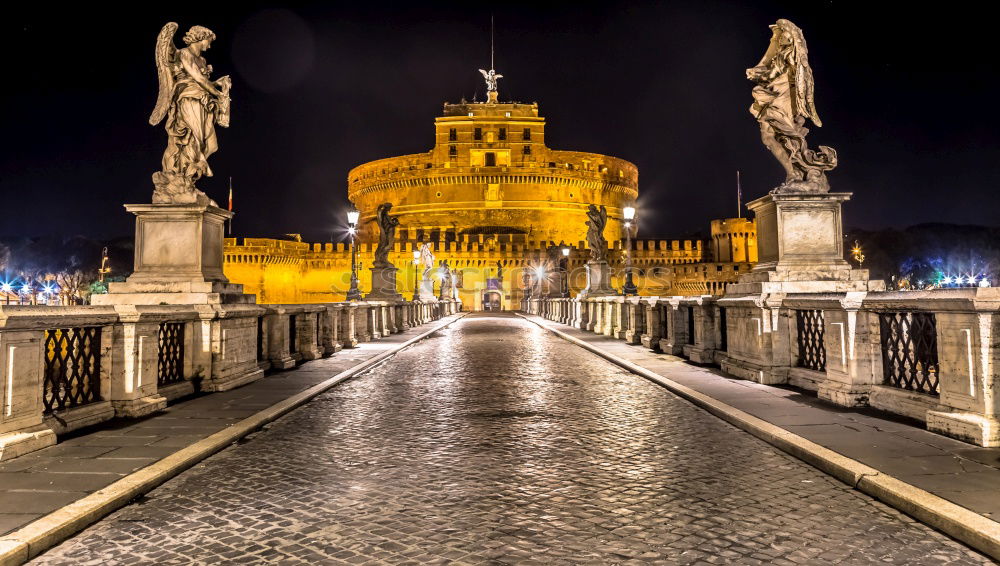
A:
<point x="739" y="196"/>
<point x="230" y="205"/>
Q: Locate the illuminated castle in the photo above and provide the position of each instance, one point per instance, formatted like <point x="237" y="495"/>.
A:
<point x="491" y="198"/>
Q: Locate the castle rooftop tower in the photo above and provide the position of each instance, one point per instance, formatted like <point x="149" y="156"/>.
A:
<point x="490" y="172"/>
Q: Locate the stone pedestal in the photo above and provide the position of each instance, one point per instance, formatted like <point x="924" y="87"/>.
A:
<point x="801" y="247"/>
<point x="426" y="291"/>
<point x="178" y="258"/>
<point x="384" y="284"/>
<point x="598" y="280"/>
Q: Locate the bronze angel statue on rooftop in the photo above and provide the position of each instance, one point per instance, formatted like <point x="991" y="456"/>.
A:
<point x="191" y="105"/>
<point x="783" y="101"/>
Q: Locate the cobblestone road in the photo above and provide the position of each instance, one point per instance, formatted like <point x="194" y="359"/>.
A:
<point x="494" y="442"/>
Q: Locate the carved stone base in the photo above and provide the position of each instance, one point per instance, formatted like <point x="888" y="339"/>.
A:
<point x="178" y="258"/>
<point x="598" y="280"/>
<point x="16" y="444"/>
<point x="231" y="381"/>
<point x="970" y="427"/>
<point x="801" y="249"/>
<point x="384" y="284"/>
<point x="135" y="408"/>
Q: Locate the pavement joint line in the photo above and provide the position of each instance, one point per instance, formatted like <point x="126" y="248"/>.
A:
<point x="967" y="526"/>
<point x="42" y="534"/>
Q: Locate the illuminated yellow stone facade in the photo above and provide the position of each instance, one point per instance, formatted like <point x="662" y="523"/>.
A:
<point x="491" y="173"/>
<point x="492" y="200"/>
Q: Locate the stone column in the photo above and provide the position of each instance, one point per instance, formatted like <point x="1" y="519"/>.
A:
<point x="654" y="326"/>
<point x="348" y="338"/>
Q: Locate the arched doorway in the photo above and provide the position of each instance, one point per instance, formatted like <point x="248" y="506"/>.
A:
<point x="491" y="301"/>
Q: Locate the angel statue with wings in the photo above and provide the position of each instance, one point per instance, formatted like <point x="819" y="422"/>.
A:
<point x="783" y="101"/>
<point x="491" y="79"/>
<point x="597" y="219"/>
<point x="387" y="233"/>
<point x="191" y="105"/>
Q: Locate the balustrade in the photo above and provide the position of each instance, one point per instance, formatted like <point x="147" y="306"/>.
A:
<point x="929" y="355"/>
<point x="63" y="368"/>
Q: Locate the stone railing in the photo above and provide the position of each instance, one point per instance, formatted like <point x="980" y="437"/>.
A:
<point x="928" y="355"/>
<point x="64" y="368"/>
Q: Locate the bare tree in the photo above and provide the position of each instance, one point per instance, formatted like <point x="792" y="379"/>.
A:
<point x="71" y="286"/>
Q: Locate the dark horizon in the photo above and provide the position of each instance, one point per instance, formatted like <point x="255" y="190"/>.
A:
<point x="320" y="89"/>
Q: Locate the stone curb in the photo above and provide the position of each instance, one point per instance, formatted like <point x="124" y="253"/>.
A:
<point x="42" y="534"/>
<point x="973" y="529"/>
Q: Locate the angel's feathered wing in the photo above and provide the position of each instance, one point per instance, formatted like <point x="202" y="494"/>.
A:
<point x="802" y="76"/>
<point x="485" y="74"/>
<point x="165" y="52"/>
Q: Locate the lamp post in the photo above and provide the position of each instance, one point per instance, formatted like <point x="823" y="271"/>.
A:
<point x="565" y="271"/>
<point x="629" y="289"/>
<point x="353" y="294"/>
<point x="6" y="288"/>
<point x="859" y="256"/>
<point x="416" y="274"/>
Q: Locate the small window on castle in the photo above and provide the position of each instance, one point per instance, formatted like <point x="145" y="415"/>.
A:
<point x="526" y="150"/>
<point x="478" y="134"/>
<point x="491" y="159"/>
<point x="552" y="163"/>
<point x="503" y="134"/>
<point x="452" y="134"/>
<point x="526" y="135"/>
<point x="452" y="150"/>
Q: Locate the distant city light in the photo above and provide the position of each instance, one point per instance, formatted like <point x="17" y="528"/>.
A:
<point x="946" y="281"/>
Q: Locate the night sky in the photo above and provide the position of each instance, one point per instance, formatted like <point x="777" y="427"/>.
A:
<point x="908" y="96"/>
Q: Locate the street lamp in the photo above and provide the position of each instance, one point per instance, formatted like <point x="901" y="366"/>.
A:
<point x="416" y="274"/>
<point x="857" y="254"/>
<point x="629" y="289"/>
<point x="565" y="271"/>
<point x="353" y="294"/>
<point x="6" y="288"/>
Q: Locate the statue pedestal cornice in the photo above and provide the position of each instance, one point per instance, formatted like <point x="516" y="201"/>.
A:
<point x="598" y="280"/>
<point x="178" y="258"/>
<point x="384" y="283"/>
<point x="800" y="246"/>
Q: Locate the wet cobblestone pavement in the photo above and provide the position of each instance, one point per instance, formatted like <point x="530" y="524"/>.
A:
<point x="495" y="442"/>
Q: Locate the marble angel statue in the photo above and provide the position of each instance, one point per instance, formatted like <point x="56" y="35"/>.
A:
<point x="783" y="101"/>
<point x="190" y="104"/>
<point x="597" y="220"/>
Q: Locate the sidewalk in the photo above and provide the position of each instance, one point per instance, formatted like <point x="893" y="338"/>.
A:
<point x="961" y="473"/>
<point x="48" y="480"/>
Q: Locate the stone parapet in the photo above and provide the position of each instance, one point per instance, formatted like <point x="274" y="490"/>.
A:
<point x="927" y="355"/>
<point x="65" y="368"/>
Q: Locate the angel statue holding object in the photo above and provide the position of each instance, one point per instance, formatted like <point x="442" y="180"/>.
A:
<point x="190" y="104"/>
<point x="783" y="101"/>
<point x="386" y="233"/>
<point x="597" y="220"/>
